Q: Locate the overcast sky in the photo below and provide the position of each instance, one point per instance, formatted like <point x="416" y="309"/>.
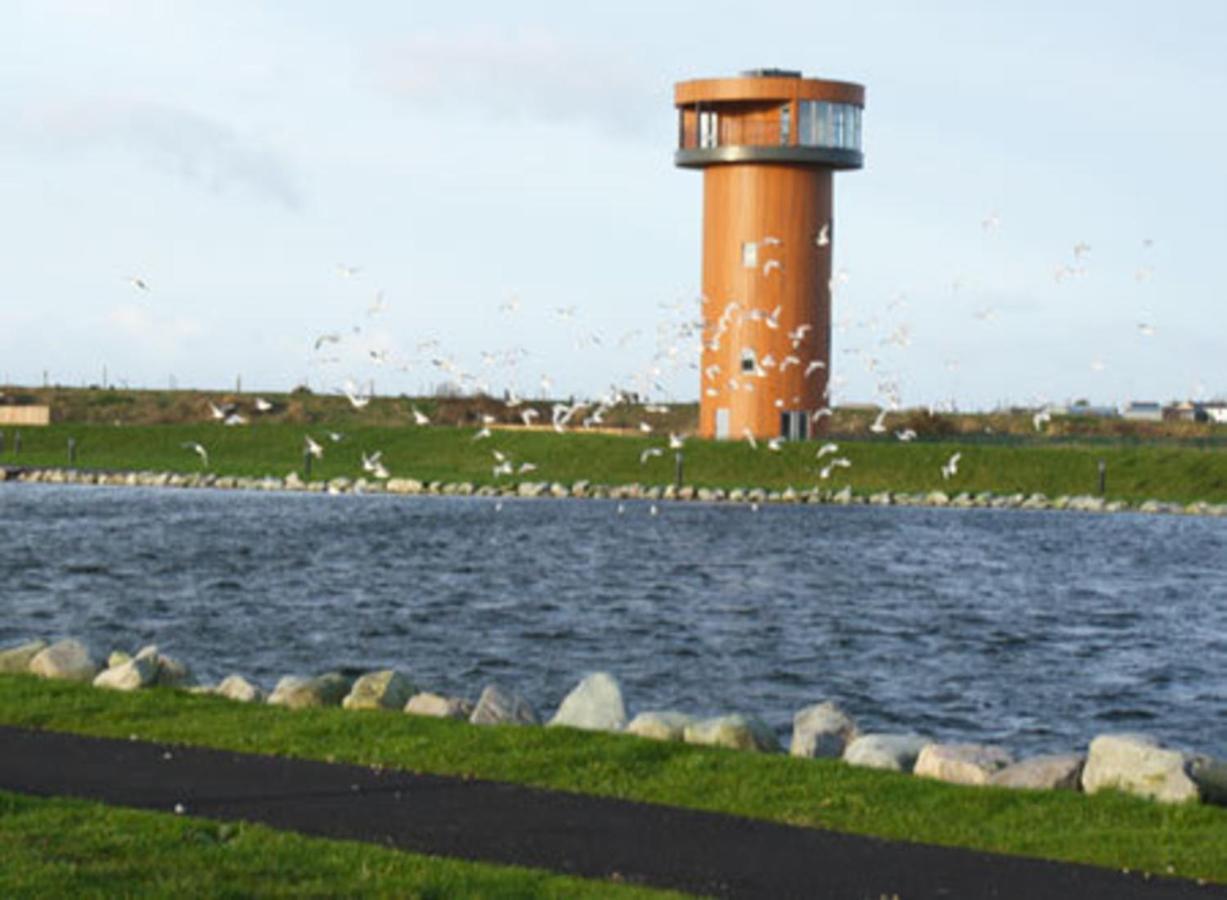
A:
<point x="484" y="165"/>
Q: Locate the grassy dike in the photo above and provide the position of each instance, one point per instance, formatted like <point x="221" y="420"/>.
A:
<point x="71" y="848"/>
<point x="1134" y="472"/>
<point x="1106" y="829"/>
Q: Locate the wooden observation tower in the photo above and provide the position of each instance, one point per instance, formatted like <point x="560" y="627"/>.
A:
<point x="768" y="143"/>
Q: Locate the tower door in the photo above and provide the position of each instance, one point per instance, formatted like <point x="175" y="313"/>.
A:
<point x="794" y="425"/>
<point x="722" y="424"/>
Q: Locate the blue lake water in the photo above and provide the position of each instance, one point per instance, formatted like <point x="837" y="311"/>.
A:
<point x="1037" y="630"/>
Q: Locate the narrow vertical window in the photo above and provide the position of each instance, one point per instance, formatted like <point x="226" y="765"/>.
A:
<point x="786" y="124"/>
<point x="749" y="254"/>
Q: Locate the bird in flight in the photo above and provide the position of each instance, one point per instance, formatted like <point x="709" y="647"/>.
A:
<point x="199" y="450"/>
<point x="263" y="405"/>
<point x="749" y="436"/>
<point x="1146" y="330"/>
<point x="951" y="467"/>
<point x="772" y="241"/>
<point x="419" y="418"/>
<point x="676" y="441"/>
<point x="358" y="401"/>
<point x="313" y="447"/>
<point x="826" y="449"/>
<point x="838" y="462"/>
<point x="813" y="366"/>
<point x="907" y="434"/>
<point x="824" y="236"/>
<point x="649" y="453"/>
<point x="879" y="424"/>
<point x="528" y="415"/>
<point x="770" y="265"/>
<point x="332" y="338"/>
<point x="234" y="419"/>
<point x="1040" y="419"/>
<point x="139" y="283"/>
<point x="347" y="271"/>
<point x="775" y="444"/>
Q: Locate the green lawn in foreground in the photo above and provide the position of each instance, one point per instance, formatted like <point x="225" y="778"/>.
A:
<point x="1107" y="829"/>
<point x="1135" y="472"/>
<point x="73" y="848"/>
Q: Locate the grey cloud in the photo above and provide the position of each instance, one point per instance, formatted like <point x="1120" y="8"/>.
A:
<point x="530" y="75"/>
<point x="187" y="144"/>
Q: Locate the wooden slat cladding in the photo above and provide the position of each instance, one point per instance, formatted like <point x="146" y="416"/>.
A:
<point x="781" y="209"/>
<point x="724" y="90"/>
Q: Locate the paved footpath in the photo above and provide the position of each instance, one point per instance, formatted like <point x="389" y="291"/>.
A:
<point x="699" y="852"/>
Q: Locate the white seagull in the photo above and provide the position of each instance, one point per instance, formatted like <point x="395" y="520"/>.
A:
<point x="824" y="236"/>
<point x="419" y="418"/>
<point x="826" y="449"/>
<point x="312" y="447"/>
<point x="649" y="453"/>
<point x="951" y="468"/>
<point x="199" y="450"/>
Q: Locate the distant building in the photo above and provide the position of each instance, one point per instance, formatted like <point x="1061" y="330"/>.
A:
<point x="1143" y="411"/>
<point x="1214" y="411"/>
<point x="1100" y="412"/>
<point x="1180" y="412"/>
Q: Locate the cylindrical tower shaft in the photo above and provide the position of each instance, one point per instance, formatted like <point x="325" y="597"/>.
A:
<point x="768" y="143"/>
<point x="766" y="299"/>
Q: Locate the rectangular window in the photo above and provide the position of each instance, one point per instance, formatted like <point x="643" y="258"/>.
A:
<point x="709" y="129"/>
<point x="786" y="124"/>
<point x="749" y="254"/>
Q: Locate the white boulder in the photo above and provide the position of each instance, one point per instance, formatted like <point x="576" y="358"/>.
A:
<point x="737" y="732"/>
<point x="594" y="705"/>
<point x="68" y="659"/>
<point x="661" y="725"/>
<point x="387" y="689"/>
<point x="16" y="660"/>
<point x="1137" y="764"/>
<point x="961" y="763"/>
<point x="895" y="752"/>
<point x="498" y="706"/>
<point x="821" y="730"/>
<point x="427" y="704"/>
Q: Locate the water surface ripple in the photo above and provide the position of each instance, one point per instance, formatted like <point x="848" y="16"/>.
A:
<point x="1033" y="629"/>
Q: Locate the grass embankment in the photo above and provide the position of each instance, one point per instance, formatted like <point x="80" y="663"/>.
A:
<point x="1134" y="473"/>
<point x="73" y="848"/>
<point x="1106" y="829"/>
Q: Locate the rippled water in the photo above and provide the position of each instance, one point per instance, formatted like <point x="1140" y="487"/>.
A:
<point x="1034" y="629"/>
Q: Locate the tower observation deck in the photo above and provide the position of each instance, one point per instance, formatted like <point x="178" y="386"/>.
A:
<point x="768" y="143"/>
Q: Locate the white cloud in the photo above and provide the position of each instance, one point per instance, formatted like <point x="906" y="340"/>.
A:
<point x="185" y="143"/>
<point x="527" y="75"/>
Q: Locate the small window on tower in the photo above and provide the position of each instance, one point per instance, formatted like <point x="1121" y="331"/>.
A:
<point x="749" y="254"/>
<point x="748" y="363"/>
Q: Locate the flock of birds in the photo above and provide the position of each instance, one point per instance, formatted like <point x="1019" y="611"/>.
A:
<point x="679" y="342"/>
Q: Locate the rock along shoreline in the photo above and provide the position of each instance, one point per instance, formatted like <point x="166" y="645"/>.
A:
<point x="1129" y="762"/>
<point x="583" y="489"/>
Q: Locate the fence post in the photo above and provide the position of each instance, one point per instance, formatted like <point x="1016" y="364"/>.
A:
<point x="1103" y="476"/>
<point x="72" y="451"/>
<point x="677" y="471"/>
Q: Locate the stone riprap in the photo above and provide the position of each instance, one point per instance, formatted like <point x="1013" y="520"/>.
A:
<point x="428" y="704"/>
<point x="664" y="725"/>
<point x="895" y="752"/>
<point x="1053" y="772"/>
<point x="736" y="732"/>
<point x="961" y="763"/>
<point x="821" y="730"/>
<point x="594" y="705"/>
<point x="1132" y="763"/>
<point x="68" y="659"/>
<point x="16" y="660"/>
<point x="1138" y="764"/>
<point x="387" y="689"/>
<point x="302" y="693"/>
<point x="584" y="489"/>
<point x="498" y="706"/>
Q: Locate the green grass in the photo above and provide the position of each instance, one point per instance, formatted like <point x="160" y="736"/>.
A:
<point x="1135" y="472"/>
<point x="1107" y="829"/>
<point x="73" y="848"/>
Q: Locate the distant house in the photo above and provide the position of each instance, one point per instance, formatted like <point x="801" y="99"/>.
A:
<point x="1180" y="412"/>
<point x="1101" y="412"/>
<point x="11" y="414"/>
<point x="1143" y="411"/>
<point x="1214" y="411"/>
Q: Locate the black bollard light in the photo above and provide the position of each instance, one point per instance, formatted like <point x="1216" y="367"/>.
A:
<point x="306" y="465"/>
<point x="677" y="470"/>
<point x="1" y="441"/>
<point x="72" y="451"/>
<point x="16" y="442"/>
<point x="1103" y="477"/>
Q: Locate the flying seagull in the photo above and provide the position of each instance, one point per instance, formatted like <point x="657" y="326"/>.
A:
<point x="199" y="450"/>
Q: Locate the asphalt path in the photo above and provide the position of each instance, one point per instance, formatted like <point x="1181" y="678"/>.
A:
<point x="593" y="837"/>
